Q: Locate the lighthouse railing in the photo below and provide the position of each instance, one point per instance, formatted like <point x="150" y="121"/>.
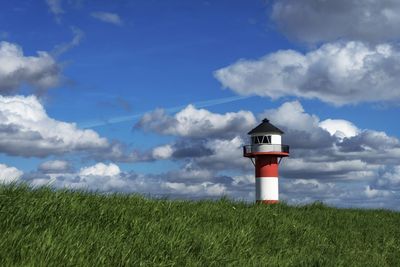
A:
<point x="265" y="148"/>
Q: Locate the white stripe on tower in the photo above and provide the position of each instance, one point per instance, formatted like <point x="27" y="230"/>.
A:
<point x="267" y="188"/>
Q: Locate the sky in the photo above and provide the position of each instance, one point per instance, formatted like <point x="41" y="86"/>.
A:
<point x="157" y="97"/>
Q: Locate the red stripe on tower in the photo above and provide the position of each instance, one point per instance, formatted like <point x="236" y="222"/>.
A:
<point x="266" y="166"/>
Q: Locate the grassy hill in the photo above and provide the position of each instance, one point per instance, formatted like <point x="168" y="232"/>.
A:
<point x="42" y="227"/>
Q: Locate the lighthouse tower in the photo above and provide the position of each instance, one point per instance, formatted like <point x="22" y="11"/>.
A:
<point x="266" y="152"/>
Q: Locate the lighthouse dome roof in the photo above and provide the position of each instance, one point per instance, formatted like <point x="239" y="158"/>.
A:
<point x="266" y="127"/>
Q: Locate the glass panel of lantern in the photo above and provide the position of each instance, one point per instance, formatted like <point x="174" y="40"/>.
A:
<point x="265" y="141"/>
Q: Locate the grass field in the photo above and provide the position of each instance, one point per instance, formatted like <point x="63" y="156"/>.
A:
<point x="41" y="227"/>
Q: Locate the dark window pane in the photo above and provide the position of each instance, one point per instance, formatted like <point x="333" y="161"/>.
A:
<point x="265" y="141"/>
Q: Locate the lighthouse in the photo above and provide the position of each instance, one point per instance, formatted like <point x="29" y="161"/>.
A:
<point x="266" y="152"/>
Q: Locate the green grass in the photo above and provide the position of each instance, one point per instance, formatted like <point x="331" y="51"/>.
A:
<point x="42" y="227"/>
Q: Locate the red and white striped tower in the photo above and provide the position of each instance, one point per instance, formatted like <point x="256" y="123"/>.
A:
<point x="266" y="152"/>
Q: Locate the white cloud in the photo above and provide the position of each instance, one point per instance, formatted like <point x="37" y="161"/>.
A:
<point x="99" y="177"/>
<point x="343" y="169"/>
<point x="373" y="193"/>
<point x="322" y="165"/>
<point x="192" y="183"/>
<point x="292" y="115"/>
<point x="319" y="21"/>
<point x="9" y="174"/>
<point x="390" y="179"/>
<point x="193" y="122"/>
<point x="26" y="130"/>
<point x="308" y="187"/>
<point x="330" y="150"/>
<point x="41" y="72"/>
<point x="318" y="154"/>
<point x="109" y="178"/>
<point x="243" y="179"/>
<point x="190" y="174"/>
<point x="163" y="152"/>
<point x="54" y="166"/>
<point x="339" y="128"/>
<point x="101" y="169"/>
<point x="108" y="17"/>
<point x="301" y="129"/>
<point x="339" y="194"/>
<point x="226" y="155"/>
<point x="370" y="141"/>
<point x="337" y="73"/>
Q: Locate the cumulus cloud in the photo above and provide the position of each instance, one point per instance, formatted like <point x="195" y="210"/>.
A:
<point x="54" y="166"/>
<point x="191" y="148"/>
<point x="209" y="140"/>
<point x="163" y="152"/>
<point x="191" y="182"/>
<point x="348" y="170"/>
<point x="303" y="191"/>
<point x="9" y="174"/>
<point x="356" y="58"/>
<point x="225" y="155"/>
<point x="99" y="177"/>
<point x="108" y="17"/>
<point x="321" y="153"/>
<point x="321" y="21"/>
<point x="197" y="123"/>
<point x="347" y="194"/>
<point x="302" y="130"/>
<point x="338" y="73"/>
<point x="373" y="193"/>
<point x="100" y="169"/>
<point x="339" y="128"/>
<point x="390" y="179"/>
<point x="368" y="141"/>
<point x="107" y="178"/>
<point x="304" y="168"/>
<point x="329" y="150"/>
<point x="26" y="130"/>
<point x="16" y="69"/>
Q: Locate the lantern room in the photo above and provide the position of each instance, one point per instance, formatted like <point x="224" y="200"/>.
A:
<point x="265" y="138"/>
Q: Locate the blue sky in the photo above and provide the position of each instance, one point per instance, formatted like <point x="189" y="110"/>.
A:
<point x="157" y="96"/>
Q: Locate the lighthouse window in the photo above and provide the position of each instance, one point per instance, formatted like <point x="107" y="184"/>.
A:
<point x="266" y="139"/>
<point x="257" y="139"/>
